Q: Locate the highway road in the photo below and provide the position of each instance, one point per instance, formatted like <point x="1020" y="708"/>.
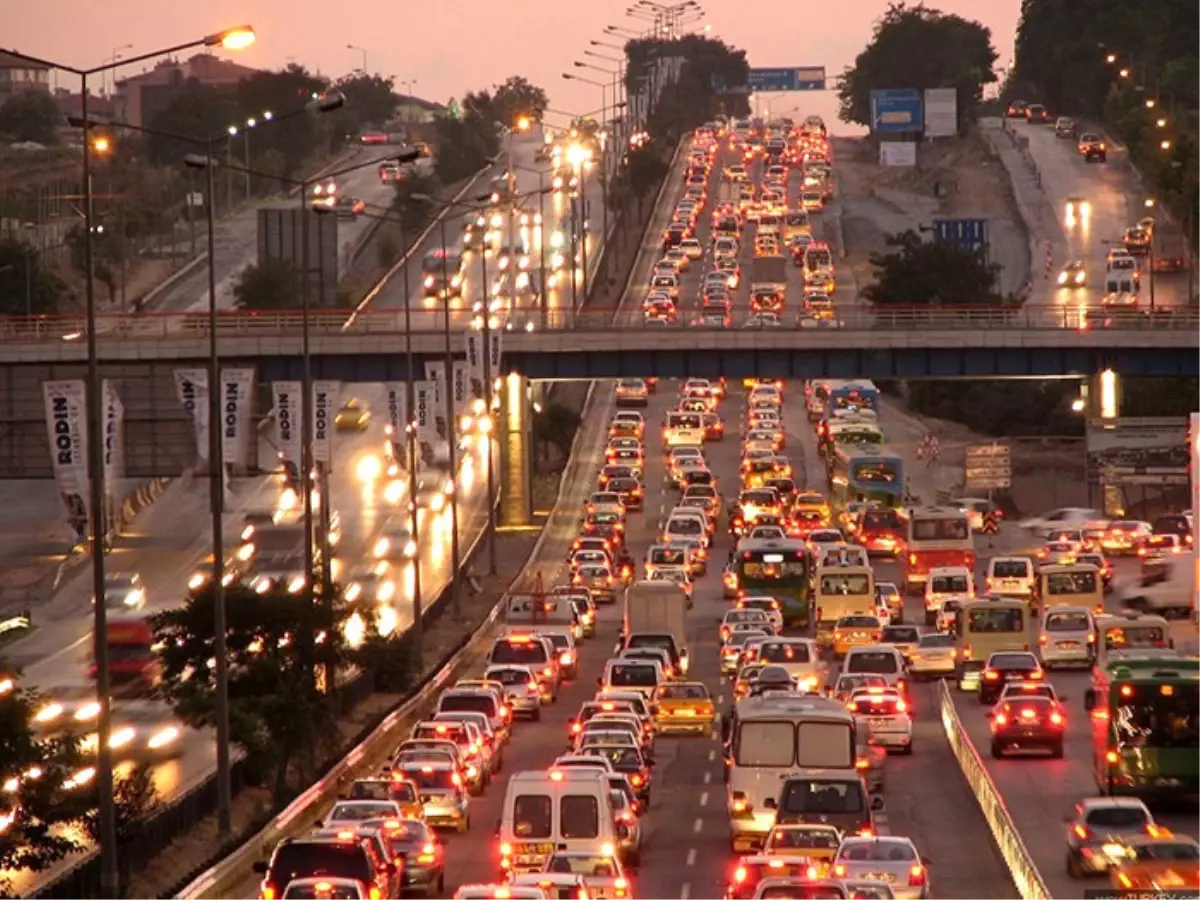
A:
<point x="1115" y="196"/>
<point x="686" y="851"/>
<point x="171" y="538"/>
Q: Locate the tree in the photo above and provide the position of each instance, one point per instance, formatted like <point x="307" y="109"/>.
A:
<point x="370" y="99"/>
<point x="42" y="800"/>
<point x="919" y="47"/>
<point x="555" y="426"/>
<point x="516" y="97"/>
<point x="270" y="284"/>
<point x="25" y="285"/>
<point x="645" y="168"/>
<point x="30" y="115"/>
<point x="414" y="214"/>
<point x="277" y="710"/>
<point x="198" y="111"/>
<point x="920" y="273"/>
<point x="295" y="138"/>
<point x="1000" y="408"/>
<point x="463" y="146"/>
<point x="135" y="800"/>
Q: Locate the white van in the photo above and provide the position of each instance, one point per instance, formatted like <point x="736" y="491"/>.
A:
<point x="642" y="675"/>
<point x="876" y="659"/>
<point x="1066" y="636"/>
<point x="801" y="659"/>
<point x="686" y="524"/>
<point x="947" y="583"/>
<point x="1010" y="576"/>
<point x="1167" y="587"/>
<point x="561" y="809"/>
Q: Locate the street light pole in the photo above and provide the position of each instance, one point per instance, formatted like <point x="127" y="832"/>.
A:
<point x="455" y="588"/>
<point x="410" y="438"/>
<point x="488" y="375"/>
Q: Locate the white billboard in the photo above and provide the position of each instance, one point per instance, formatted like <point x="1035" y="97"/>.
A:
<point x="114" y="444"/>
<point x="424" y="402"/>
<point x="66" y="426"/>
<point x="474" y="344"/>
<point x="287" y="398"/>
<point x="235" y="413"/>
<point x="396" y="393"/>
<point x="324" y="401"/>
<point x="897" y="153"/>
<point x="941" y="112"/>
<point x="192" y="387"/>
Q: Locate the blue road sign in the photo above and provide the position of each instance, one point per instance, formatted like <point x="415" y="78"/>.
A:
<point x="970" y="234"/>
<point x="896" y="111"/>
<point x="809" y="78"/>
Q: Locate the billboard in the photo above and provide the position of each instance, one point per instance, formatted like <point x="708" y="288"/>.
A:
<point x="1139" y="451"/>
<point x="793" y="78"/>
<point x="192" y="387"/>
<point x="970" y="234"/>
<point x="896" y="111"/>
<point x="941" y="112"/>
<point x="898" y="153"/>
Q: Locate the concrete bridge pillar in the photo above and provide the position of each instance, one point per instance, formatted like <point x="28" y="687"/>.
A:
<point x="516" y="447"/>
<point x="1105" y="395"/>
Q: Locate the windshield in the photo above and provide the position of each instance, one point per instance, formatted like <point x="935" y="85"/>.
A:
<point x="306" y="859"/>
<point x="1132" y="636"/>
<point x="1077" y="582"/>
<point x="813" y="795"/>
<point x="878" y="851"/>
<point x="429" y="778"/>
<point x="1004" y="620"/>
<point x="950" y="584"/>
<point x="361" y="811"/>
<point x="481" y="703"/>
<point x="1067" y="621"/>
<point x="683" y="692"/>
<point x="937" y="640"/>
<point x="1157" y="715"/>
<point x="779" y="652"/>
<point x="803" y="839"/>
<point x="941" y="529"/>
<point x="336" y="890"/>
<point x="1010" y="568"/>
<point x="632" y="676"/>
<point x="846" y="585"/>
<point x="878" y="661"/>
<point x="529" y="653"/>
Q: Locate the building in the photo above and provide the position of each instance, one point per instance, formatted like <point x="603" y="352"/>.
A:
<point x="71" y="104"/>
<point x="139" y="98"/>
<point x="415" y="110"/>
<point x="18" y="75"/>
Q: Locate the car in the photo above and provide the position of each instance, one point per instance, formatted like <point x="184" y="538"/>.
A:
<point x="1004" y="666"/>
<point x="353" y="416"/>
<point x="936" y="655"/>
<point x="1065" y="127"/>
<point x="886" y="715"/>
<point x="891" y="859"/>
<point x="1015" y="109"/>
<point x="1092" y="146"/>
<point x="314" y="856"/>
<point x="326" y="887"/>
<point x="1072" y="275"/>
<point x="1030" y="721"/>
<point x="632" y="392"/>
<point x="124" y="591"/>
<point x="1066" y="517"/>
<point x="1036" y="114"/>
<point x="1095" y="831"/>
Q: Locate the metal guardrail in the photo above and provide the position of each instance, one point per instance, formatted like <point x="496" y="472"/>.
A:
<point x="188" y="326"/>
<point x="1023" y="872"/>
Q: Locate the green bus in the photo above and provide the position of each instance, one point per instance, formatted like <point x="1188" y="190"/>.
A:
<point x="867" y="473"/>
<point x="1145" y="736"/>
<point x="779" y="569"/>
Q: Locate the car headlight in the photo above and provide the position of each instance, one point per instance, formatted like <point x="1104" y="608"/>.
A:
<point x="163" y="738"/>
<point x="197" y="581"/>
<point x="381" y="546"/>
<point x="245" y="552"/>
<point x="1062" y="277"/>
<point x="353" y="592"/>
<point x="134" y="598"/>
<point x="410" y="548"/>
<point x="296" y="584"/>
<point x="121" y="737"/>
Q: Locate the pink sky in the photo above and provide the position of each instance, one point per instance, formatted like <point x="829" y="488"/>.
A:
<point x="451" y="47"/>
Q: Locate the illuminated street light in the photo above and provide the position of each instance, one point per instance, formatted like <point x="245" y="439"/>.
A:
<point x="232" y="38"/>
<point x="1124" y="73"/>
<point x="1165" y="145"/>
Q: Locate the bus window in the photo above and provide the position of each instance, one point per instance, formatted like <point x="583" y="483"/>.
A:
<point x="826" y="745"/>
<point x="1062" y="583"/>
<point x="766" y="744"/>
<point x="876" y="471"/>
<point x="1128" y="637"/>
<point x="847" y="585"/>
<point x="995" y="620"/>
<point x="1150" y="715"/>
<point x="949" y="529"/>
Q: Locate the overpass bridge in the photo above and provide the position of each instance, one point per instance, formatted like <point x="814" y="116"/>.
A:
<point x="1047" y="341"/>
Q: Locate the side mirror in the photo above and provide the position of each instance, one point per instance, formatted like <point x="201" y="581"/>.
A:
<point x="318" y="824"/>
<point x="926" y="861"/>
<point x="876" y="803"/>
<point x="260" y="867"/>
<point x="1089" y="700"/>
<point x="990" y="713"/>
<point x="770" y="803"/>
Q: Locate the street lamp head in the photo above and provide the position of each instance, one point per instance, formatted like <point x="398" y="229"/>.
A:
<point x="328" y="101"/>
<point x="238" y="38"/>
<point x="1110" y="58"/>
<point x="579" y="65"/>
<point x="101" y="144"/>
<point x="523" y="123"/>
<point x="232" y="129"/>
<point x="568" y="76"/>
<point x="199" y="161"/>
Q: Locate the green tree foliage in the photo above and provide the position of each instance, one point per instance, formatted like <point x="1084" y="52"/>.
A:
<point x="108" y="248"/>
<point x="38" y="767"/>
<point x="1008" y="408"/>
<point x="516" y="97"/>
<point x="296" y="138"/>
<point x="919" y="47"/>
<point x="555" y="426"/>
<point x="30" y="115"/>
<point x="463" y="146"/>
<point x="25" y="286"/>
<point x="135" y="800"/>
<point x="645" y="168"/>
<point x="415" y="214"/>
<point x="270" y="284"/>
<point x="693" y="100"/>
<point x="918" y="273"/>
<point x="370" y="100"/>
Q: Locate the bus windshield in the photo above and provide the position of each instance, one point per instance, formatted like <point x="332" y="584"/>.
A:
<point x="684" y="420"/>
<point x="1062" y="583"/>
<point x="951" y="529"/>
<point x="1002" y="620"/>
<point x="772" y="567"/>
<point x="1127" y="637"/>
<point x="1150" y="715"/>
<point x="875" y="471"/>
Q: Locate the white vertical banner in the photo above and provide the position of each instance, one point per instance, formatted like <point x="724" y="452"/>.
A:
<point x="66" y="426"/>
<point x="462" y="386"/>
<point x="424" y="402"/>
<point x="192" y="387"/>
<point x="494" y="354"/>
<point x="1194" y="473"/>
<point x="474" y="341"/>
<point x="235" y="414"/>
<point x="325" y="397"/>
<point x="288" y="400"/>
<point x="396" y="393"/>
<point x="114" y="444"/>
<point x="436" y="372"/>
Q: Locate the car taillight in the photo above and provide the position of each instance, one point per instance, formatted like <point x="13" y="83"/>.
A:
<point x="456" y="780"/>
<point x="916" y="876"/>
<point x="1082" y="832"/>
<point x="635" y="780"/>
<point x="991" y="675"/>
<point x="1056" y="718"/>
<point x="1043" y="639"/>
<point x="548" y="671"/>
<point x="267" y="892"/>
<point x="866" y="832"/>
<point x="373" y="893"/>
<point x="739" y="875"/>
<point x="566" y="659"/>
<point x="862" y="763"/>
<point x="1000" y="719"/>
<point x="839" y="871"/>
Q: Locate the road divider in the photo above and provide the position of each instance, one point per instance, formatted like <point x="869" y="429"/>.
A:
<point x="1021" y="869"/>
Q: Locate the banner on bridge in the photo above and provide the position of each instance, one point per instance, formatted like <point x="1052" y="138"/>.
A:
<point x="462" y="392"/>
<point x="475" y="370"/>
<point x="191" y="385"/>
<point x="396" y="394"/>
<point x="114" y="442"/>
<point x="66" y="425"/>
<point x="235" y="413"/>
<point x="436" y="372"/>
<point x="324" y="402"/>
<point x="287" y="398"/>
<point x="424" y="401"/>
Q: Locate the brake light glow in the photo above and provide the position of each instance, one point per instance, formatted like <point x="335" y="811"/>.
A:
<point x="991" y="675"/>
<point x="1082" y="832"/>
<point x="267" y="891"/>
<point x="1056" y="718"/>
<point x="916" y="876"/>
<point x="373" y="893"/>
<point x="1000" y="719"/>
<point x="1028" y="713"/>
<point x="866" y="832"/>
<point x="739" y="875"/>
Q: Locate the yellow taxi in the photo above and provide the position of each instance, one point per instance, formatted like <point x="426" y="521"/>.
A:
<point x="745" y="678"/>
<point x="353" y="416"/>
<point x="812" y="503"/>
<point x="855" y="631"/>
<point x="683" y="706"/>
<point x="757" y="472"/>
<point x="816" y="843"/>
<point x="629" y="423"/>
<point x="750" y="383"/>
<point x="1158" y="862"/>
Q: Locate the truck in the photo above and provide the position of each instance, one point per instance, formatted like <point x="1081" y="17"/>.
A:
<point x="1167" y="587"/>
<point x="656" y="606"/>
<point x="768" y="273"/>
<point x="1169" y="252"/>
<point x="133" y="665"/>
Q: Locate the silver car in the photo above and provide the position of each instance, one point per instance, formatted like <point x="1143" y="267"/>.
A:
<point x="934" y="656"/>
<point x="521" y="689"/>
<point x="892" y="860"/>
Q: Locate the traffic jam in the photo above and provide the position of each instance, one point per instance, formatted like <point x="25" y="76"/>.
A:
<point x="707" y="699"/>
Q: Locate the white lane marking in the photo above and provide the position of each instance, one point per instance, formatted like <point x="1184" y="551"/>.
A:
<point x="882" y="825"/>
<point x="685" y="891"/>
<point x="720" y="699"/>
<point x="691" y="858"/>
<point x="712" y="755"/>
<point x="708" y="777"/>
<point x="697" y="825"/>
<point x="704" y="798"/>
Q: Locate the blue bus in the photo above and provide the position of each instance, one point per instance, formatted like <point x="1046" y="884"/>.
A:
<point x="848" y="394"/>
<point x="867" y="473"/>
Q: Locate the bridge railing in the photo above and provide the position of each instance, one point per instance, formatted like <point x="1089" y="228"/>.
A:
<point x="431" y="318"/>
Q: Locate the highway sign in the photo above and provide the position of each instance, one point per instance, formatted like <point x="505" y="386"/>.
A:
<point x="796" y="78"/>
<point x="987" y="467"/>
<point x="896" y="111"/>
<point x="970" y="234"/>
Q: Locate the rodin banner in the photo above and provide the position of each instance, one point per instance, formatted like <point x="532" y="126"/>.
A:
<point x="423" y="401"/>
<point x="436" y="372"/>
<point x="325" y="398"/>
<point x="474" y="341"/>
<point x="114" y="430"/>
<point x="192" y="387"/>
<point x="396" y="393"/>
<point x="235" y="413"/>
<point x="462" y="393"/>
<point x="66" y="425"/>
<point x="287" y="397"/>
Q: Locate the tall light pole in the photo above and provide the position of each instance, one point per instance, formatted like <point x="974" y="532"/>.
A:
<point x="363" y="51"/>
<point x="113" y="57"/>
<point x="252" y="122"/>
<point x="234" y="38"/>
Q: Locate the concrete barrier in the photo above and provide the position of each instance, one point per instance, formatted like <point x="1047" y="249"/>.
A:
<point x="1021" y="869"/>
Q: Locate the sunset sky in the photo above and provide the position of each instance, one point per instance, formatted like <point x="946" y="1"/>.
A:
<point x="452" y="47"/>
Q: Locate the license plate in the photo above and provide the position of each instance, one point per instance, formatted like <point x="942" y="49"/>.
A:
<point x="882" y="724"/>
<point x="535" y="849"/>
<point x="1068" y="645"/>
